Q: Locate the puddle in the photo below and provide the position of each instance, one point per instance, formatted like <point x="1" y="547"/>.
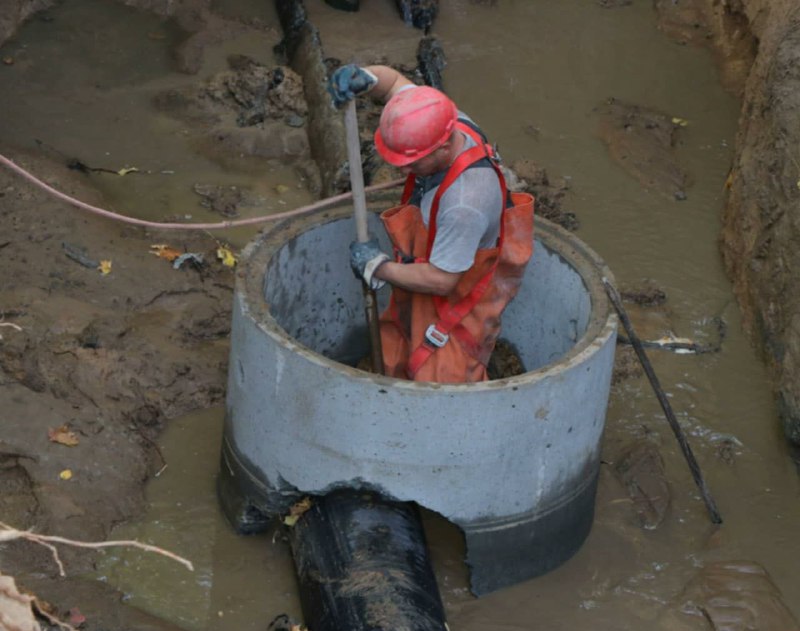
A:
<point x="238" y="582"/>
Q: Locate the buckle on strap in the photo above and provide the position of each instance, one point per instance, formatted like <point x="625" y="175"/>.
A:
<point x="435" y="337"/>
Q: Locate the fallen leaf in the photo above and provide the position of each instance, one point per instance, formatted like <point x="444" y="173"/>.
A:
<point x="290" y="520"/>
<point x="66" y="474"/>
<point x="729" y="180"/>
<point x="104" y="267"/>
<point x="296" y="511"/>
<point x="680" y="122"/>
<point x="62" y="435"/>
<point x="280" y="189"/>
<point x="127" y="170"/>
<point x="164" y="251"/>
<point x="8" y="61"/>
<point x="226" y="256"/>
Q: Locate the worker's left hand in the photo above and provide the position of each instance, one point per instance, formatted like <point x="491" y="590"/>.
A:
<point x="365" y="259"/>
<point x="347" y="82"/>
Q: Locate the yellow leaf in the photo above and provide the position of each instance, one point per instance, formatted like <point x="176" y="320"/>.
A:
<point x="105" y="267"/>
<point x="66" y="474"/>
<point x="296" y="511"/>
<point x="226" y="256"/>
<point x="62" y="435"/>
<point x="127" y="170"/>
<point x="291" y="520"/>
<point x="729" y="180"/>
<point x="680" y="122"/>
<point x="164" y="251"/>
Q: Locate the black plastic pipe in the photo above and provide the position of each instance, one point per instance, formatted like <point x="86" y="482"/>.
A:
<point x="362" y="565"/>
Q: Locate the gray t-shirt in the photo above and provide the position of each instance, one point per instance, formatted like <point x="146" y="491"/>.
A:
<point x="469" y="216"/>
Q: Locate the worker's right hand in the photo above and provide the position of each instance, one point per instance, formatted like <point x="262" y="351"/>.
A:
<point x="365" y="259"/>
<point x="347" y="82"/>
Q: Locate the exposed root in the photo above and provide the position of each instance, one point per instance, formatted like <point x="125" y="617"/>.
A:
<point x="7" y="533"/>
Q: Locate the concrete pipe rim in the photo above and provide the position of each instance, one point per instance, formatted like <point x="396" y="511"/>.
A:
<point x="583" y="259"/>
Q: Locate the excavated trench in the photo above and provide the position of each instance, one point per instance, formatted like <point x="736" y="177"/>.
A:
<point x="649" y="559"/>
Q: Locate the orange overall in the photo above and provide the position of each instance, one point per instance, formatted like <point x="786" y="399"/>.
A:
<point x="448" y="339"/>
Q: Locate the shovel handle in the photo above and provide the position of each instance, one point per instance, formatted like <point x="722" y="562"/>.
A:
<point x="362" y="233"/>
<point x="356" y="175"/>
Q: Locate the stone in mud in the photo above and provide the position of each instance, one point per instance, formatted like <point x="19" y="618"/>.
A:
<point x="431" y="62"/>
<point x="641" y="141"/>
<point x="418" y="13"/>
<point x="737" y="596"/>
<point x="640" y="469"/>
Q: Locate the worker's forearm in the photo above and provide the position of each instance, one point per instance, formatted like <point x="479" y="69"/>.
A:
<point x="421" y="278"/>
<point x="389" y="82"/>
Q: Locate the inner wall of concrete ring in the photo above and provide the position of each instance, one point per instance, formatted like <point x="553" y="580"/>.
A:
<point x="486" y="456"/>
<point x="304" y="420"/>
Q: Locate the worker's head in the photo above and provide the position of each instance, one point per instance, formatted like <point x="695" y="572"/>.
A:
<point x="416" y="129"/>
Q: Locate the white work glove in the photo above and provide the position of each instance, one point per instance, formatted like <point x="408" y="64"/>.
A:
<point x="365" y="259"/>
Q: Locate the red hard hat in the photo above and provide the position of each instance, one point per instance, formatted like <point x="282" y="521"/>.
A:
<point x="414" y="123"/>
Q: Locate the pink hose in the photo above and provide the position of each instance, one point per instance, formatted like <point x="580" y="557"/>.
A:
<point x="323" y="203"/>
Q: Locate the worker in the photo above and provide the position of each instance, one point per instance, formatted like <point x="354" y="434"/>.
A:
<point x="460" y="240"/>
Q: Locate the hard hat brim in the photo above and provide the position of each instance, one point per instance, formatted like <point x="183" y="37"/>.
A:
<point x="397" y="159"/>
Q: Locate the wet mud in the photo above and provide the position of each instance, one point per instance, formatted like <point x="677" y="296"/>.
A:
<point x="736" y="596"/>
<point x="642" y="141"/>
<point x="640" y="469"/>
<point x="248" y="110"/>
<point x="111" y="357"/>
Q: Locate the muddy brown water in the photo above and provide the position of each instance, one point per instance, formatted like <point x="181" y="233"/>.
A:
<point x="531" y="73"/>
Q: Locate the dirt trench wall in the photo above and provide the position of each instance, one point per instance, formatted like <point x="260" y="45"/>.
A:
<point x="757" y="46"/>
<point x="761" y="221"/>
